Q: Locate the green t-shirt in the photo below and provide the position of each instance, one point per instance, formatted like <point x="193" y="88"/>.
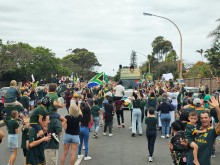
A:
<point x="9" y="109"/>
<point x="54" y="97"/>
<point x="142" y="104"/>
<point x="189" y="132"/>
<point x="205" y="143"/>
<point x="40" y="94"/>
<point x="12" y="126"/>
<point x="53" y="127"/>
<point x="38" y="111"/>
<point x="25" y="137"/>
<point x="151" y="102"/>
<point x="35" y="155"/>
<point x="151" y="123"/>
<point x="25" y="101"/>
<point x="94" y="110"/>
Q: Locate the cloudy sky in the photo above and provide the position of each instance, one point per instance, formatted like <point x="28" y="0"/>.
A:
<point x="109" y="28"/>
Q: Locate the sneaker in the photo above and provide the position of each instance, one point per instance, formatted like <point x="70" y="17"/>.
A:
<point x="104" y="133"/>
<point x="119" y="126"/>
<point x="96" y="136"/>
<point x="150" y="159"/>
<point x="55" y="137"/>
<point x="87" y="158"/>
<point x="213" y="154"/>
<point x="80" y="156"/>
<point x="83" y="147"/>
<point x="110" y="134"/>
<point x="163" y="137"/>
<point x="167" y="136"/>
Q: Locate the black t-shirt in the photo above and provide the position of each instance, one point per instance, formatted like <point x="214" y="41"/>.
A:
<point x="73" y="124"/>
<point x="86" y="116"/>
<point x="136" y="103"/>
<point x="164" y="107"/>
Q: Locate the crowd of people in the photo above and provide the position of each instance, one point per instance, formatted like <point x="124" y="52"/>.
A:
<point x="192" y="121"/>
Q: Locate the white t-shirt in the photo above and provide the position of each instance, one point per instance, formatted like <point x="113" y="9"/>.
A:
<point x="119" y="90"/>
<point x="173" y="96"/>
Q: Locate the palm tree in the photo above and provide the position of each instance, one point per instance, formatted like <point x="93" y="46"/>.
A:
<point x="215" y="34"/>
<point x="200" y="52"/>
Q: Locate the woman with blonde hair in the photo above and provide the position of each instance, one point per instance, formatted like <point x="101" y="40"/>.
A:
<point x="71" y="136"/>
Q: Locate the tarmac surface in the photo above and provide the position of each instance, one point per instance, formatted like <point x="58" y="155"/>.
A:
<point x="120" y="149"/>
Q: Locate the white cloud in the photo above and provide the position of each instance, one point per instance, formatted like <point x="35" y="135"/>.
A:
<point x="109" y="28"/>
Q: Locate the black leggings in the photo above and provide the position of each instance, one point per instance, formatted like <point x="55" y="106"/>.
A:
<point x="151" y="138"/>
<point x="120" y="113"/>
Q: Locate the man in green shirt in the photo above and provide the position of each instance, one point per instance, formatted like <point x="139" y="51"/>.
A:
<point x="35" y="154"/>
<point x="206" y="140"/>
<point x="51" y="147"/>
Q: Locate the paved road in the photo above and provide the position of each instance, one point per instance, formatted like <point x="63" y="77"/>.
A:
<point x="120" y="149"/>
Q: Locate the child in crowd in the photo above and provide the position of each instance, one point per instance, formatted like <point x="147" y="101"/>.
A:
<point x="109" y="109"/>
<point x="151" y="131"/>
<point x="190" y="134"/>
<point x="25" y="135"/>
<point x="13" y="136"/>
<point x="36" y="119"/>
<point x="95" y="110"/>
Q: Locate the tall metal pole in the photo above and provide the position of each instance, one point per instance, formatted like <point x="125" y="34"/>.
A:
<point x="180" y="63"/>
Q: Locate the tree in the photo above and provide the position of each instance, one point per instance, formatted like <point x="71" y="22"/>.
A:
<point x="215" y="34"/>
<point x="212" y="56"/>
<point x="200" y="70"/>
<point x="81" y="61"/>
<point x="133" y="59"/>
<point x="200" y="52"/>
<point x="171" y="56"/>
<point x="161" y="47"/>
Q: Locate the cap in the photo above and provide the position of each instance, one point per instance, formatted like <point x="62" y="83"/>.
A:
<point x="46" y="101"/>
<point x="108" y="94"/>
<point x="207" y="97"/>
<point x="197" y="101"/>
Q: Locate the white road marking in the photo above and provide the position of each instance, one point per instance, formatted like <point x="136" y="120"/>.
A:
<point x="78" y="161"/>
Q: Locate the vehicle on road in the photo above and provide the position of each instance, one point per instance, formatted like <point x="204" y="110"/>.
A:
<point x="194" y="90"/>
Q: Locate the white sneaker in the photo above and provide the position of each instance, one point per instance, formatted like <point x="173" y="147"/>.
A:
<point x="104" y="133"/>
<point x="167" y="136"/>
<point x="87" y="158"/>
<point x="80" y="156"/>
<point x="150" y="159"/>
<point x="110" y="134"/>
<point x="55" y="137"/>
<point x="163" y="137"/>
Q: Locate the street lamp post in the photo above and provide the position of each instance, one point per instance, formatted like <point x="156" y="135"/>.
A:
<point x="180" y="63"/>
<point x="146" y="57"/>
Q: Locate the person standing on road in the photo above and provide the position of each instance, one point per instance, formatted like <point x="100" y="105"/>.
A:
<point x="95" y="110"/>
<point x="136" y="113"/>
<point x="84" y="130"/>
<point x="71" y="136"/>
<point x="35" y="145"/>
<point x="109" y="110"/>
<point x="151" y="131"/>
<point x="13" y="136"/>
<point x="206" y="140"/>
<point x="164" y="108"/>
<point x="51" y="148"/>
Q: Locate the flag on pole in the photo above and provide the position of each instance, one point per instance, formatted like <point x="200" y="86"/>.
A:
<point x="32" y="77"/>
<point x="98" y="80"/>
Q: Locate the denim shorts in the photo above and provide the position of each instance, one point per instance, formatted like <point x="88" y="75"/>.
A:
<point x="68" y="139"/>
<point x="12" y="141"/>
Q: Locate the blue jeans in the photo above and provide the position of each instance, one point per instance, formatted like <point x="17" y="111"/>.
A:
<point x="96" y="124"/>
<point x="84" y="136"/>
<point x="136" y="115"/>
<point x="165" y="121"/>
